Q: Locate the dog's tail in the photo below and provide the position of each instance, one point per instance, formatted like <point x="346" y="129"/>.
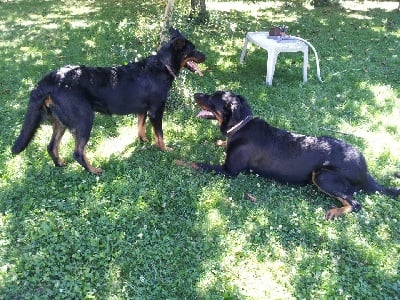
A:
<point x="373" y="186"/>
<point x="34" y="116"/>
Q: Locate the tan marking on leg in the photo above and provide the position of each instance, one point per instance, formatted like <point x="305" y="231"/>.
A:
<point x="53" y="147"/>
<point x="334" y="213"/>
<point x="142" y="128"/>
<point x="160" y="144"/>
<point x="313" y="180"/>
<point x="48" y="101"/>
<point x="187" y="164"/>
<point x="80" y="157"/>
<point x="221" y="143"/>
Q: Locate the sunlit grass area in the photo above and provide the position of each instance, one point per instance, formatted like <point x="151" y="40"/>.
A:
<point x="149" y="229"/>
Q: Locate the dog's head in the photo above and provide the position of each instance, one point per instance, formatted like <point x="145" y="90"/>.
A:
<point x="227" y="108"/>
<point x="180" y="53"/>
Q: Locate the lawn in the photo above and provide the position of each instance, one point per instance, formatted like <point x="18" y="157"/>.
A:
<point x="149" y="229"/>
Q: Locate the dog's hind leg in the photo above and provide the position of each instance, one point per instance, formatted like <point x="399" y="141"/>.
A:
<point x="80" y="156"/>
<point x="52" y="148"/>
<point x="335" y="185"/>
<point x="142" y="127"/>
<point x="82" y="133"/>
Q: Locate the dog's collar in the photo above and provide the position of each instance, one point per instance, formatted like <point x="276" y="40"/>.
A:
<point x="239" y="125"/>
<point x="170" y="70"/>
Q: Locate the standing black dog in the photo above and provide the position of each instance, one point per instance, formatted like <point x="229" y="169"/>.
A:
<point x="71" y="95"/>
<point x="335" y="167"/>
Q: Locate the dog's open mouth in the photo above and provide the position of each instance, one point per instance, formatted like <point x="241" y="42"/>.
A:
<point x="190" y="62"/>
<point x="192" y="66"/>
<point x="205" y="114"/>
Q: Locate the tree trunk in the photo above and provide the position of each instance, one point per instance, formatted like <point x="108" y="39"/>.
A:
<point x="200" y="14"/>
<point x="164" y="37"/>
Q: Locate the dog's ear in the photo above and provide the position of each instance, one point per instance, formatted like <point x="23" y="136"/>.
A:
<point x="233" y="103"/>
<point x="178" y="40"/>
<point x="245" y="107"/>
<point x="228" y="96"/>
<point x="235" y="108"/>
<point x="239" y="107"/>
<point x="242" y="100"/>
<point x="174" y="32"/>
<point x="179" y="43"/>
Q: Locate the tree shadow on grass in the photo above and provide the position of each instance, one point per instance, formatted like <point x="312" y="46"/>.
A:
<point x="122" y="234"/>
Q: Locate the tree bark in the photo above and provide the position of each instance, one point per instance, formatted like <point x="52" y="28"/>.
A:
<point x="167" y="23"/>
<point x="198" y="10"/>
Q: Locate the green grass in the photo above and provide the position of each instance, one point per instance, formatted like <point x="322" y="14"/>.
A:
<point x="148" y="229"/>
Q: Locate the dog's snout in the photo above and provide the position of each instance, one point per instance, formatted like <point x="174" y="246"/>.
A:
<point x="198" y="95"/>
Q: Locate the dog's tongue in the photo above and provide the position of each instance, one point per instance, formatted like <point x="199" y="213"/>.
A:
<point x="205" y="114"/>
<point x="194" y="66"/>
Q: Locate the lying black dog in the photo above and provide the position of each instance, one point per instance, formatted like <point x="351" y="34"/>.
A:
<point x="71" y="95"/>
<point x="335" y="167"/>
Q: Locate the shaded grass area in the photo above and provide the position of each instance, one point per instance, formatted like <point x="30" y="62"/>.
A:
<point x="150" y="229"/>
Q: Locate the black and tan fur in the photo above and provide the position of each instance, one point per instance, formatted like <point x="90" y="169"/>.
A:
<point x="71" y="95"/>
<point x="335" y="167"/>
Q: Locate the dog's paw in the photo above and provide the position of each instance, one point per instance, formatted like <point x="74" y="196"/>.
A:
<point x="161" y="145"/>
<point x="143" y="139"/>
<point x="250" y="197"/>
<point x="181" y="163"/>
<point x="60" y="163"/>
<point x="164" y="148"/>
<point x="221" y="143"/>
<point x="333" y="214"/>
<point x="186" y="164"/>
<point x="95" y="171"/>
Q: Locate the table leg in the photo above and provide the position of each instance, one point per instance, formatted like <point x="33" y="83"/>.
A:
<point x="243" y="55"/>
<point x="271" y="62"/>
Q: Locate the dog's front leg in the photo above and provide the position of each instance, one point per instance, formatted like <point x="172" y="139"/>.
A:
<point x="158" y="133"/>
<point x="156" y="122"/>
<point x="219" y="169"/>
<point x="187" y="164"/>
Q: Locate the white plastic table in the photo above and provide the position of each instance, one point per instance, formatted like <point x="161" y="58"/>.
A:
<point x="274" y="47"/>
